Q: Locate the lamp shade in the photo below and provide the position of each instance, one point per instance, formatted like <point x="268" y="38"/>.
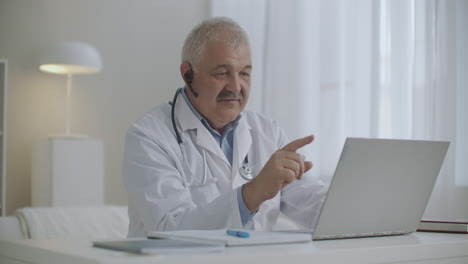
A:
<point x="70" y="58"/>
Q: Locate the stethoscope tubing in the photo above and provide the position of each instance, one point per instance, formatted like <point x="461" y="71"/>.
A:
<point x="173" y="103"/>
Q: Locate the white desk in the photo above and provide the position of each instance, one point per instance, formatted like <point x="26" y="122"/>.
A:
<point x="414" y="248"/>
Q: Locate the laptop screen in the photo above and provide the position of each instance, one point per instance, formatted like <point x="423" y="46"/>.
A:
<point x="380" y="187"/>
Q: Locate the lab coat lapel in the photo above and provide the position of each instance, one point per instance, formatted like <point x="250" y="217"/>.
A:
<point x="242" y="143"/>
<point x="188" y="120"/>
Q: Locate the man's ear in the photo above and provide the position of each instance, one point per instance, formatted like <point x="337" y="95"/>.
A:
<point x="184" y="68"/>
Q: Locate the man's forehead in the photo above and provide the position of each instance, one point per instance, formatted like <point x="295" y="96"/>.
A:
<point x="219" y="54"/>
<point x="230" y="66"/>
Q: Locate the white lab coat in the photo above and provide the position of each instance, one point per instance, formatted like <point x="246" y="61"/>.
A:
<point x="168" y="190"/>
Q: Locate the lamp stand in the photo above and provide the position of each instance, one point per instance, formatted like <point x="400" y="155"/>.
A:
<point x="68" y="104"/>
<point x="68" y="101"/>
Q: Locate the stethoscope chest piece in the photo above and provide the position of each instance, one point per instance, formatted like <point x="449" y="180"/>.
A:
<point x="246" y="172"/>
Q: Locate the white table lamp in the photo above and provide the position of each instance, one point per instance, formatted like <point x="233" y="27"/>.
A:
<point x="70" y="58"/>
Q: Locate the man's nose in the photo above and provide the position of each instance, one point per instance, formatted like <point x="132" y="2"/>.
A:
<point x="234" y="84"/>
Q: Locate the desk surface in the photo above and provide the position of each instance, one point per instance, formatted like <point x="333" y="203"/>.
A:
<point x="413" y="248"/>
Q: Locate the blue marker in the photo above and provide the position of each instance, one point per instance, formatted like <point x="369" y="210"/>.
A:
<point x="237" y="233"/>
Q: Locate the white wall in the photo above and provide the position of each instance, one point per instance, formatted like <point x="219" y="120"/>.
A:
<point x="140" y="44"/>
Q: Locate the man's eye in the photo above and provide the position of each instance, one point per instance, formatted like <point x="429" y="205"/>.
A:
<point x="245" y="75"/>
<point x="221" y="74"/>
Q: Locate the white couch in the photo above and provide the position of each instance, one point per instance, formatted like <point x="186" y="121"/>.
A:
<point x="90" y="223"/>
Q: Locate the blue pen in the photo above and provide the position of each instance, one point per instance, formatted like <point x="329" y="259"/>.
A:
<point x="237" y="233"/>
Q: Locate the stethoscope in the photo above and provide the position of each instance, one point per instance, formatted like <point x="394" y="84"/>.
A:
<point x="245" y="171"/>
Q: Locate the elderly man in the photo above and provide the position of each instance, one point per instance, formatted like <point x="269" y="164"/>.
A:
<point x="202" y="162"/>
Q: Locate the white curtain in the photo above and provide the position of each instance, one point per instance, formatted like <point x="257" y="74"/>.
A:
<point x="364" y="68"/>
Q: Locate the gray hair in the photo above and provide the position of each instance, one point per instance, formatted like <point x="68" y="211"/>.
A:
<point x="217" y="28"/>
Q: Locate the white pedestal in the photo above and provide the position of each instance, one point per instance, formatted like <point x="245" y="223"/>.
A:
<point x="67" y="172"/>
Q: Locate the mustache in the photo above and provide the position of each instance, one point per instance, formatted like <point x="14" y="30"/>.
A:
<point x="228" y="95"/>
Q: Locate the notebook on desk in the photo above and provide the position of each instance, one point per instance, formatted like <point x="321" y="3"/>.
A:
<point x="219" y="236"/>
<point x="160" y="246"/>
<point x="380" y="187"/>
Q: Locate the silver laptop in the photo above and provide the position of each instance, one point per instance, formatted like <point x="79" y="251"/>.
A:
<point x="380" y="187"/>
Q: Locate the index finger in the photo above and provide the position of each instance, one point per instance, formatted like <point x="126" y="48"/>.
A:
<point x="298" y="143"/>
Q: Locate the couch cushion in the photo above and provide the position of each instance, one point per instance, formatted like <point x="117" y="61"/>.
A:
<point x="107" y="222"/>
